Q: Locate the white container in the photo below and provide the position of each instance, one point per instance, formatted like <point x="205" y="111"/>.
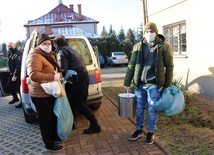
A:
<point x="126" y="105"/>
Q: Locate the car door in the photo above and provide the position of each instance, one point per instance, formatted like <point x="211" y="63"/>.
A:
<point x="29" y="109"/>
<point x="4" y="70"/>
<point x="4" y="74"/>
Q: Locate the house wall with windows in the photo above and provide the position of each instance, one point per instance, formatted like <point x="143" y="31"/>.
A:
<point x="63" y="20"/>
<point x="196" y="64"/>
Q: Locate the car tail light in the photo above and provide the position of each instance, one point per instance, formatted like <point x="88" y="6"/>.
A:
<point x="97" y="75"/>
<point x="24" y="85"/>
<point x="126" y="57"/>
<point x="114" y="58"/>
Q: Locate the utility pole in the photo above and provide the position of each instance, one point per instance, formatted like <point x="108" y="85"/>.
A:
<point x="145" y="13"/>
<point x="0" y="26"/>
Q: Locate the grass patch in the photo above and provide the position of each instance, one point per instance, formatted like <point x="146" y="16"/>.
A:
<point x="191" y="132"/>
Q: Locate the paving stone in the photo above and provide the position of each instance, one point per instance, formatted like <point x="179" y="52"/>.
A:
<point x="20" y="138"/>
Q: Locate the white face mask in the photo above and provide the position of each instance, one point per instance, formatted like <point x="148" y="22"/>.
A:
<point x="150" y="37"/>
<point x="45" y="48"/>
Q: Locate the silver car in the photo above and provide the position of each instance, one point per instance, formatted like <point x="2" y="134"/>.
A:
<point x="117" y="58"/>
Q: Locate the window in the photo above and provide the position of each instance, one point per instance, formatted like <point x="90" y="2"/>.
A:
<point x="81" y="47"/>
<point x="175" y="35"/>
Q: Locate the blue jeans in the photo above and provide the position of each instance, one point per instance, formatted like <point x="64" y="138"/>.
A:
<point x="145" y="98"/>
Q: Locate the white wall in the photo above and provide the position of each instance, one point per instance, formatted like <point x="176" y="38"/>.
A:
<point x="198" y="69"/>
<point x="200" y="34"/>
<point x="90" y="27"/>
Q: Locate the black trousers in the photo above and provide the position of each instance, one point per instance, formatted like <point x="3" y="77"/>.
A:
<point x="47" y="120"/>
<point x="77" y="94"/>
<point x="13" y="86"/>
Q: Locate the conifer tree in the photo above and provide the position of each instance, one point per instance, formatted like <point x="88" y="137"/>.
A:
<point x="121" y="35"/>
<point x="130" y="35"/>
<point x="104" y="33"/>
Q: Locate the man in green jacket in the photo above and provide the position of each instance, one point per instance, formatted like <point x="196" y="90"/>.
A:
<point x="151" y="69"/>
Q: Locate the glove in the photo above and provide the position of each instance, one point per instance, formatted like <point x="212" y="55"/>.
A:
<point x="70" y="73"/>
<point x="56" y="76"/>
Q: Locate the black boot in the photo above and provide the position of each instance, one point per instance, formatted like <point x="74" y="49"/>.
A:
<point x="74" y="126"/>
<point x="14" y="100"/>
<point x="19" y="105"/>
<point x="92" y="129"/>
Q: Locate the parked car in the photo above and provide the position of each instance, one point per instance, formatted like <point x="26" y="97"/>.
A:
<point x="102" y="61"/>
<point x="84" y="48"/>
<point x="117" y="58"/>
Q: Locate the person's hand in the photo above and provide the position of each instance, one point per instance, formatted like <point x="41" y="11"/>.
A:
<point x="56" y="76"/>
<point x="62" y="80"/>
<point x="14" y="78"/>
<point x="28" y="81"/>
<point x="160" y="89"/>
<point x="126" y="87"/>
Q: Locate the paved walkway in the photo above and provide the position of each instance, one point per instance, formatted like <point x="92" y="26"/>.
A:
<point x="20" y="138"/>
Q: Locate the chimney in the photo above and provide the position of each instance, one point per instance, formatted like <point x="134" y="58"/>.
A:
<point x="59" y="18"/>
<point x="79" y="12"/>
<point x="72" y="7"/>
<point x="48" y="30"/>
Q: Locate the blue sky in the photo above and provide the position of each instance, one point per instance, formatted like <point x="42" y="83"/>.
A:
<point x="118" y="13"/>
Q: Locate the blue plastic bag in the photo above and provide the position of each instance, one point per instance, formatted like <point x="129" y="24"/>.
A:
<point x="171" y="102"/>
<point x="165" y="100"/>
<point x="64" y="115"/>
<point x="178" y="103"/>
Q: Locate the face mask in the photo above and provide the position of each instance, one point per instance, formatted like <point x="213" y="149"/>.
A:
<point x="10" y="49"/>
<point x="150" y="37"/>
<point x="45" y="48"/>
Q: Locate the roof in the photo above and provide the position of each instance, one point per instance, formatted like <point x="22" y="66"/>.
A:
<point x="67" y="15"/>
<point x="72" y="30"/>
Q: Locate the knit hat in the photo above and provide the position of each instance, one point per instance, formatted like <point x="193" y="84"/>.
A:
<point x="151" y="26"/>
<point x="42" y="37"/>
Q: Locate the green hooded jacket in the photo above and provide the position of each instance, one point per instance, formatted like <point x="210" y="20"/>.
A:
<point x="163" y="65"/>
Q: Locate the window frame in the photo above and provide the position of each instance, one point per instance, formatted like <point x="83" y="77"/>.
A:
<point x="175" y="35"/>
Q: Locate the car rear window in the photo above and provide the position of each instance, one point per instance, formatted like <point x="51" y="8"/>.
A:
<point x="81" y="47"/>
<point x="119" y="53"/>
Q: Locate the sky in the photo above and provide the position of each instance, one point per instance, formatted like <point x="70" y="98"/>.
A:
<point x="118" y="13"/>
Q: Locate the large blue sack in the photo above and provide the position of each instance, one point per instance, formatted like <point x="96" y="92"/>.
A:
<point x="165" y="100"/>
<point x="178" y="103"/>
<point x="171" y="101"/>
<point x="64" y="115"/>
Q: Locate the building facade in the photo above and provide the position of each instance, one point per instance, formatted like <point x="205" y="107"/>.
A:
<point x="188" y="28"/>
<point x="64" y="20"/>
